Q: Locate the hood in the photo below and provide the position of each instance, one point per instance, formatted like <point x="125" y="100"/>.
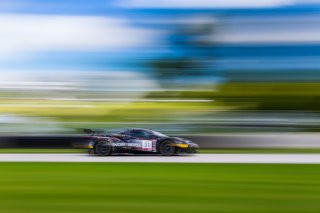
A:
<point x="181" y="140"/>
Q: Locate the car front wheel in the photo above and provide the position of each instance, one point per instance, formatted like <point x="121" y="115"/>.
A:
<point x="167" y="148"/>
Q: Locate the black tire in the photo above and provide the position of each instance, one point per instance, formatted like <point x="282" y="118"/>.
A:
<point x="167" y="148"/>
<point x="103" y="148"/>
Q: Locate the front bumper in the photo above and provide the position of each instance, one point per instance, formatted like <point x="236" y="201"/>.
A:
<point x="187" y="148"/>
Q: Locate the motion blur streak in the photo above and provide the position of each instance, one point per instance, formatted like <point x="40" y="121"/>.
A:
<point x="203" y="158"/>
<point x="187" y="66"/>
<point x="214" y="66"/>
<point x="241" y="78"/>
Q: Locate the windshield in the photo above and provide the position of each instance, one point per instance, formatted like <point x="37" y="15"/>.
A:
<point x="158" y="134"/>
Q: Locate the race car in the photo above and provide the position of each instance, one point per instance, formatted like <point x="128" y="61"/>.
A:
<point x="137" y="141"/>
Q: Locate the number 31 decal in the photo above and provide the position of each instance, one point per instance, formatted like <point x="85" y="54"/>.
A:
<point x="147" y="145"/>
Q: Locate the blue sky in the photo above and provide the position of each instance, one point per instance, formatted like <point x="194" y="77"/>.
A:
<point x="121" y="35"/>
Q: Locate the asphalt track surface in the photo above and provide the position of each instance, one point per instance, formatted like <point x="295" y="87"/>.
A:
<point x="198" y="158"/>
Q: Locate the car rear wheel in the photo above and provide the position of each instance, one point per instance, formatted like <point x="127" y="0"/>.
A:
<point x="167" y="148"/>
<point x="103" y="148"/>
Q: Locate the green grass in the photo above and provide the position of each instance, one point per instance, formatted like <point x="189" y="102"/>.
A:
<point x="102" y="111"/>
<point x="143" y="187"/>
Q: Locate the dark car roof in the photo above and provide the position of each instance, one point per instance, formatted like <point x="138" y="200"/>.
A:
<point x="126" y="129"/>
<point x="139" y="129"/>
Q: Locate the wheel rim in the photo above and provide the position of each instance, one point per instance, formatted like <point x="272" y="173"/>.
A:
<point x="167" y="148"/>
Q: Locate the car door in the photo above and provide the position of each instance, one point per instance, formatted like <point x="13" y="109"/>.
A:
<point x="143" y="138"/>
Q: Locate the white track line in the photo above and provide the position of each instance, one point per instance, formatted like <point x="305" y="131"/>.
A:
<point x="198" y="158"/>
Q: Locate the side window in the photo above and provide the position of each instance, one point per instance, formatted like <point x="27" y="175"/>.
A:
<point x="138" y="133"/>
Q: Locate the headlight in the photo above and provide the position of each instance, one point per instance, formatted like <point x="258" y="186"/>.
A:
<point x="182" y="145"/>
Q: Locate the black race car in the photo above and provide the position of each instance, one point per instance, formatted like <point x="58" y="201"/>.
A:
<point x="137" y="141"/>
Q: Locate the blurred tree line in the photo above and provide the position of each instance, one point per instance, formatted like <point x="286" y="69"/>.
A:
<point x="193" y="56"/>
<point x="304" y="96"/>
<point x="192" y="53"/>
